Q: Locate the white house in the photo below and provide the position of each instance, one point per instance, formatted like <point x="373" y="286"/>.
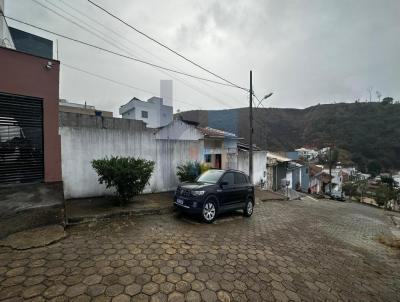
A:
<point x="337" y="178"/>
<point x="307" y="154"/>
<point x="153" y="112"/>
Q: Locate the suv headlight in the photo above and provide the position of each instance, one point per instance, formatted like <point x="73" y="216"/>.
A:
<point x="198" y="193"/>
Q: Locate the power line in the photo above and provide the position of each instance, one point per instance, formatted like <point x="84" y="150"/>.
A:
<point x="115" y="44"/>
<point x="164" y="46"/>
<point x="74" y="22"/>
<point x="118" y="54"/>
<point x="115" y="81"/>
<point x="140" y="47"/>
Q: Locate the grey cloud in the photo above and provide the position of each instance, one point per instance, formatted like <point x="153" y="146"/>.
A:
<point x="304" y="51"/>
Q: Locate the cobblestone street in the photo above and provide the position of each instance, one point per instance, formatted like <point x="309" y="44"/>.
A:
<point x="308" y="250"/>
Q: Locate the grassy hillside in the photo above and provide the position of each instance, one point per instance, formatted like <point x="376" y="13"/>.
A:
<point x="369" y="132"/>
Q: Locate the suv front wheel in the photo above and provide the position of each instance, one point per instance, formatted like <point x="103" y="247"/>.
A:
<point x="248" y="207"/>
<point x="209" y="212"/>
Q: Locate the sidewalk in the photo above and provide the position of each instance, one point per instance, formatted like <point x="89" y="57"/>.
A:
<point x="265" y="195"/>
<point x="92" y="209"/>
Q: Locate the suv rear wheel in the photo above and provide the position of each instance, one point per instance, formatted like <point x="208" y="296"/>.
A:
<point x="209" y="212"/>
<point x="248" y="207"/>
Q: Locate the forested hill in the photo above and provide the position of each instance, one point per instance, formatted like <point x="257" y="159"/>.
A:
<point x="367" y="132"/>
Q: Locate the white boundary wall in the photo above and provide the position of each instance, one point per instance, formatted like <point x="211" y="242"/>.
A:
<point x="259" y="164"/>
<point x="90" y="140"/>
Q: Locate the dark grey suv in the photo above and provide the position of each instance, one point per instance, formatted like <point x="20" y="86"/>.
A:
<point x="214" y="192"/>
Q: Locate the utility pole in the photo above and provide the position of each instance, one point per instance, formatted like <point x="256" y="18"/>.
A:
<point x="330" y="169"/>
<point x="251" y="129"/>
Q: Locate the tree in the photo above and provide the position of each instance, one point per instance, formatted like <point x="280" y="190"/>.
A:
<point x="378" y="95"/>
<point x="374" y="168"/>
<point x="387" y="101"/>
<point x="350" y="188"/>
<point x="383" y="194"/>
<point x="389" y="181"/>
<point x="128" y="175"/>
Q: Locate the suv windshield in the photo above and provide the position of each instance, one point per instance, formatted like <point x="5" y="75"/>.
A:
<point x="210" y="176"/>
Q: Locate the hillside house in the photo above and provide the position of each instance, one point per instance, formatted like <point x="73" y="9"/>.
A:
<point x="217" y="148"/>
<point x="276" y="170"/>
<point x="319" y="180"/>
<point x="297" y="175"/>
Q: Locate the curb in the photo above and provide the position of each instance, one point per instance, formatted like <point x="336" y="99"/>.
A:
<point x="127" y="213"/>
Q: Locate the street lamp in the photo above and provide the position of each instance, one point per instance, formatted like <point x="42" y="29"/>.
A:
<point x="251" y="124"/>
<point x="264" y="98"/>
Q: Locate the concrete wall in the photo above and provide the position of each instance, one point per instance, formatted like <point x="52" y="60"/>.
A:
<point x="259" y="164"/>
<point x="24" y="74"/>
<point x="84" y="138"/>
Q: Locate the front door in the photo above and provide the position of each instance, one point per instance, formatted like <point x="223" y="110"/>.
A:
<point x="218" y="161"/>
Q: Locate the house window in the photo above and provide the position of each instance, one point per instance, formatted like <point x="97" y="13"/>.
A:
<point x="145" y="114"/>
<point x="207" y="158"/>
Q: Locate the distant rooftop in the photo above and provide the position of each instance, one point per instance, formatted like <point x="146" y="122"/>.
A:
<point x="211" y="132"/>
<point x="152" y="100"/>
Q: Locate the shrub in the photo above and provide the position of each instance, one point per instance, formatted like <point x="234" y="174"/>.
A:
<point x="188" y="171"/>
<point x="128" y="175"/>
<point x="204" y="167"/>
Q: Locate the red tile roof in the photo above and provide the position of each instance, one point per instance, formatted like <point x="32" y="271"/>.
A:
<point x="211" y="132"/>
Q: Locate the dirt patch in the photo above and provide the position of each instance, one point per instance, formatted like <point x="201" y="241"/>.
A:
<point x="37" y="237"/>
<point x="389" y="241"/>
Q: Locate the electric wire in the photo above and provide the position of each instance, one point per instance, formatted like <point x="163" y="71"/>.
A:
<point x="165" y="46"/>
<point x="116" y="53"/>
<point x="115" y="81"/>
<point x="115" y="44"/>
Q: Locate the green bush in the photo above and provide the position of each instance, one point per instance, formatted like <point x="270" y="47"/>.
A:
<point x="128" y="175"/>
<point x="190" y="170"/>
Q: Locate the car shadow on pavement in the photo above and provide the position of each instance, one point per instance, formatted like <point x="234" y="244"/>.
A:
<point x="196" y="219"/>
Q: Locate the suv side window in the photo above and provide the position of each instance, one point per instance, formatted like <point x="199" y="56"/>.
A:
<point x="229" y="178"/>
<point x="240" y="179"/>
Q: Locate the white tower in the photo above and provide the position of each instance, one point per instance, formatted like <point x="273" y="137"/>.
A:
<point x="166" y="92"/>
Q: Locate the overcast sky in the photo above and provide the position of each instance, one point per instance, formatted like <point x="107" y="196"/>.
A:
<point x="305" y="52"/>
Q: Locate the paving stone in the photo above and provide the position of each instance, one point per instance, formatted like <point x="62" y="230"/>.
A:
<point x="150" y="288"/>
<point x="121" y="298"/>
<point x="75" y="290"/>
<point x="114" y="290"/>
<point x="176" y="297"/>
<point x="167" y="287"/>
<point x="159" y="297"/>
<point x="33" y="291"/>
<point x="208" y="295"/>
<point x="92" y="279"/>
<point x="133" y="289"/>
<point x="223" y="296"/>
<point x="140" y="298"/>
<point x="273" y="256"/>
<point x="96" y="290"/>
<point x="182" y="286"/>
<point x="280" y="296"/>
<point x="159" y="278"/>
<point x="198" y="285"/>
<point x="192" y="296"/>
<point x="54" y="290"/>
